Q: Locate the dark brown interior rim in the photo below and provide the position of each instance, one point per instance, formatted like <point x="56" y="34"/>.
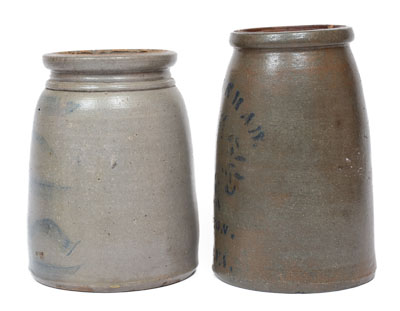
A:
<point x="110" y="52"/>
<point x="289" y="28"/>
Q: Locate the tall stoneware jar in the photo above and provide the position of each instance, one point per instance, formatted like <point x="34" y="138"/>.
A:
<point x="112" y="205"/>
<point x="293" y="197"/>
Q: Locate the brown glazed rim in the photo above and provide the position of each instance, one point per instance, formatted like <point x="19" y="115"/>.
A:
<point x="113" y="60"/>
<point x="292" y="36"/>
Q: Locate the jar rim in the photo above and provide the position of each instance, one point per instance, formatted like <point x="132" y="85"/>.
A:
<point x="292" y="36"/>
<point x="110" y="60"/>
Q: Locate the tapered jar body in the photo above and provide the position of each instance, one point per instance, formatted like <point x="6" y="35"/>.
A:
<point x="112" y="205"/>
<point x="293" y="197"/>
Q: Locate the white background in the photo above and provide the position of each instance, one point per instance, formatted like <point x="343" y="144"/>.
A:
<point x="199" y="32"/>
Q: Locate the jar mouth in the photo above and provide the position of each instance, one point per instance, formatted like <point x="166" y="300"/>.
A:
<point x="109" y="52"/>
<point x="280" y="29"/>
<point x="110" y="60"/>
<point x="292" y="36"/>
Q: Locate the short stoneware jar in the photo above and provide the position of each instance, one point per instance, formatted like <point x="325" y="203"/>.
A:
<point x="112" y="204"/>
<point x="293" y="195"/>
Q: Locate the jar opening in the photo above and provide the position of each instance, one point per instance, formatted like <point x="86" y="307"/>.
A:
<point x="289" y="28"/>
<point x="292" y="36"/>
<point x="110" y="60"/>
<point x="110" y="52"/>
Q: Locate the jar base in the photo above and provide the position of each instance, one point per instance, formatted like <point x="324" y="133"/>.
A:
<point x="296" y="288"/>
<point x="116" y="287"/>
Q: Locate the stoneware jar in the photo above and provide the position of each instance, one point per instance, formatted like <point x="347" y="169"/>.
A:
<point x="112" y="205"/>
<point x="293" y="197"/>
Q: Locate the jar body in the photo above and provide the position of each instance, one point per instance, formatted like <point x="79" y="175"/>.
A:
<point x="293" y="196"/>
<point x="112" y="204"/>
